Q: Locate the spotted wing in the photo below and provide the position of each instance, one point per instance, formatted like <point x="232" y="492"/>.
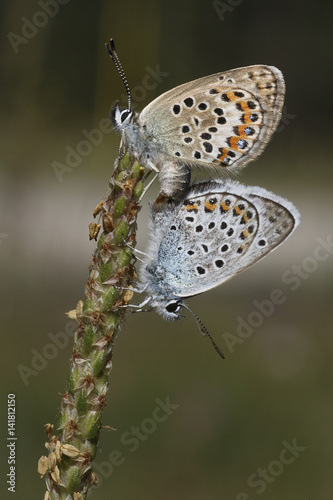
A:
<point x="222" y="120"/>
<point x="218" y="231"/>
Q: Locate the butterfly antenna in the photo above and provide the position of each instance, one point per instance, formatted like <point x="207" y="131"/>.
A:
<point x="114" y="56"/>
<point x="204" y="331"/>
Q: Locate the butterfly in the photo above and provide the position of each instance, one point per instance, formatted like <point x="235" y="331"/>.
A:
<point x="217" y="230"/>
<point x="219" y="122"/>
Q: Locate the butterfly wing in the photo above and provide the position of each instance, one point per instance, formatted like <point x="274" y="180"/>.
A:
<point x="217" y="232"/>
<point x="222" y="120"/>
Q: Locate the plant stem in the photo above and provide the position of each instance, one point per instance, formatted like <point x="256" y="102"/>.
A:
<point x="68" y="466"/>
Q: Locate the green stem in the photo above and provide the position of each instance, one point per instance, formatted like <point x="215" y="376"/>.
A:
<point x="68" y="467"/>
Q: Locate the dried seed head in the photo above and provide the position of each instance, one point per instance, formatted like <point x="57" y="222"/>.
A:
<point x="70" y="451"/>
<point x="49" y="428"/>
<point x="42" y="466"/>
<point x="55" y="474"/>
<point x="94" y="230"/>
<point x="51" y="460"/>
<point x="98" y="208"/>
<point x="108" y="225"/>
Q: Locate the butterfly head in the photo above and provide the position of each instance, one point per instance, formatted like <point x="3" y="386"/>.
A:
<point x="168" y="309"/>
<point x="121" y="117"/>
<point x="172" y="309"/>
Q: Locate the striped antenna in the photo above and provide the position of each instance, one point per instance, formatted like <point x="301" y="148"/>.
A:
<point x="204" y="331"/>
<point x="114" y="56"/>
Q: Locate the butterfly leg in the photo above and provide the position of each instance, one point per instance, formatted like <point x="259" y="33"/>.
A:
<point x="135" y="251"/>
<point x="152" y="166"/>
<point x="138" y="307"/>
<point x="148" y="186"/>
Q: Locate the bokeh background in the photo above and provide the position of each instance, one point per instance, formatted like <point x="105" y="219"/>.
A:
<point x="234" y="417"/>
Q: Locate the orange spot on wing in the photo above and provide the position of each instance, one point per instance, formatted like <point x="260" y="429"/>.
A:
<point x="231" y="96"/>
<point x="192" y="207"/>
<point x="241" y="129"/>
<point x="210" y="206"/>
<point x="244" y="106"/>
<point x="224" y="154"/>
<point x="233" y="141"/>
<point x="247" y="118"/>
<point x="224" y="206"/>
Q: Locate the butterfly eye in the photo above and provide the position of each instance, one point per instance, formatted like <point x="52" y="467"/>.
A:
<point x="173" y="307"/>
<point x="124" y="115"/>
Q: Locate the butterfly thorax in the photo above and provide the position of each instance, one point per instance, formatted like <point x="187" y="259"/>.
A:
<point x="162" y="298"/>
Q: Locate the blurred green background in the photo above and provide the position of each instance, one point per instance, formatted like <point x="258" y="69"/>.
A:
<point x="235" y="416"/>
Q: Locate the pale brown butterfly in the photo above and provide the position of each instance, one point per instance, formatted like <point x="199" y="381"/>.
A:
<point x="219" y="122"/>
